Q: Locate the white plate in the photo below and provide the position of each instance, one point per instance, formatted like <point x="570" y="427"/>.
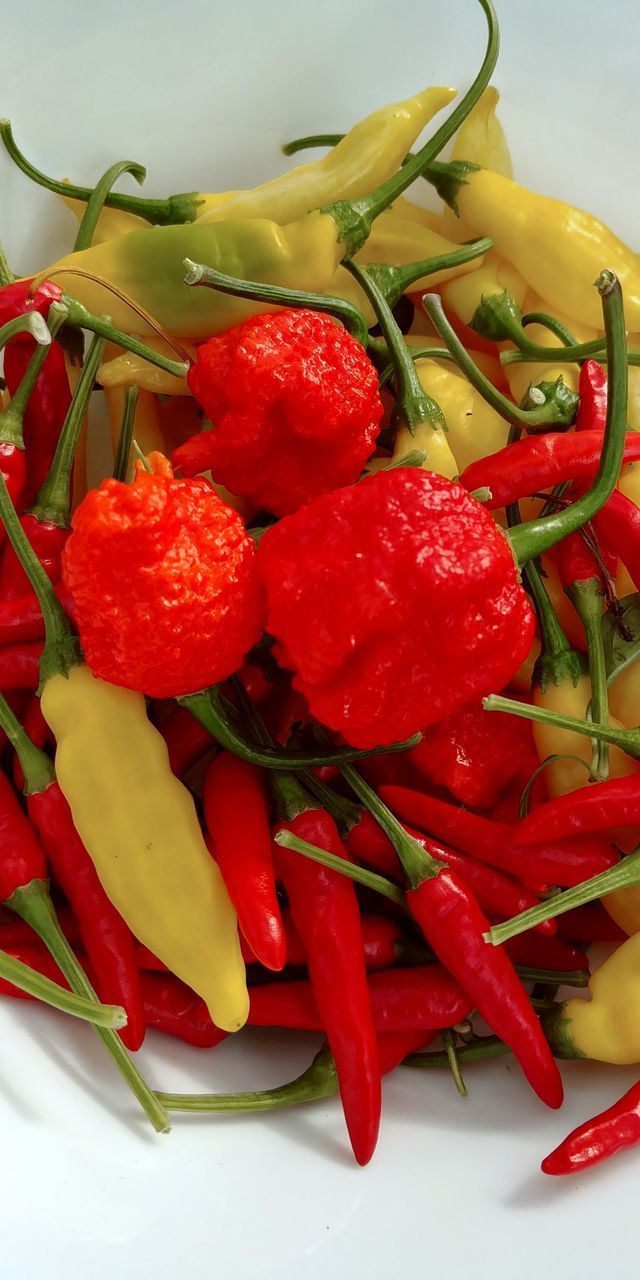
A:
<point x="203" y="94"/>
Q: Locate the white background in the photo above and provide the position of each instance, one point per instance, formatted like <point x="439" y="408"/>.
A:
<point x="203" y="94"/>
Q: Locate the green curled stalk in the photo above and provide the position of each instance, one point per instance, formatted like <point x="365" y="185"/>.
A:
<point x="320" y="1080"/>
<point x="98" y="198"/>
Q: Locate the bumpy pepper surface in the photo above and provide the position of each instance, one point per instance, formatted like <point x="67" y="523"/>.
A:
<point x="394" y="602"/>
<point x="165" y="592"/>
<point x="295" y="408"/>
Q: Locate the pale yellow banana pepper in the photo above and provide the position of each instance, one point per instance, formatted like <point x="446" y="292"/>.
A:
<point x="369" y="154"/>
<point x="606" y="1027"/>
<point x="566" y="775"/>
<point x="558" y="249"/>
<point x="474" y="429"/>
<point x="141" y="829"/>
<point x="111" y="223"/>
<point x="482" y="140"/>
<point x="463" y="295"/>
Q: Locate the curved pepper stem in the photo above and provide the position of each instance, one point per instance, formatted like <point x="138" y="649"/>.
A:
<point x="32" y="323"/>
<point x="37" y="768"/>
<point x="556" y="410"/>
<point x="79" y="316"/>
<point x="320" y="1080"/>
<point x="53" y="502"/>
<point x="500" y="319"/>
<point x="393" y="282"/>
<point x="125" y="437"/>
<point x="482" y="1048"/>
<point x="178" y="208"/>
<point x="311" y="140"/>
<point x="417" y="864"/>
<point x="208" y="707"/>
<point x="6" y="274"/>
<point x="11" y="418"/>
<point x="279" y="296"/>
<point x="413" y="405"/>
<point x="370" y="879"/>
<point x="34" y="984"/>
<point x="98" y="198"/>
<point x="586" y="597"/>
<point x="537" y="536"/>
<point x="627" y="739"/>
<point x="354" y="218"/>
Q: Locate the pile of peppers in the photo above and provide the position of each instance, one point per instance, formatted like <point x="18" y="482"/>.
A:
<point x="319" y="711"/>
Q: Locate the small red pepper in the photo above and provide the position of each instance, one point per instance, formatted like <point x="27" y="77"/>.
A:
<point x="46" y="409"/>
<point x="540" y="462"/>
<point x="472" y="754"/>
<point x="551" y="861"/>
<point x="295" y="407"/>
<point x="592" y="410"/>
<point x="375" y="662"/>
<point x="237" y="819"/>
<point x="537" y="952"/>
<point x="602" y="806"/>
<point x="187" y="740"/>
<point x="608" y="1133"/>
<point x="21" y="619"/>
<point x="618" y="523"/>
<point x="163" y="581"/>
<point x="589" y="924"/>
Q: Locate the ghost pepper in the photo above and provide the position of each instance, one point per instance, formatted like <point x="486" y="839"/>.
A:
<point x="295" y="407"/>
<point x="163" y="581"/>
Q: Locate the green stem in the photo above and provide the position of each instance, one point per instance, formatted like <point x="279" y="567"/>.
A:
<point x="453" y="1060"/>
<point x="125" y="437"/>
<point x="36" y="766"/>
<point x="417" y="864"/>
<point x="370" y="879"/>
<point x="83" y="319"/>
<point x="554" y="326"/>
<point x="568" y="355"/>
<point x="536" y="536"/>
<point x="177" y="208"/>
<point x="22" y="976"/>
<point x="279" y="296"/>
<point x="586" y="596"/>
<point x="62" y="649"/>
<point x="624" y="875"/>
<point x="33" y="904"/>
<point x="53" y="502"/>
<point x="30" y="322"/>
<point x="393" y="282"/>
<point x="549" y="414"/>
<point x="627" y="739"/>
<point x="6" y="274"/>
<point x="97" y="199"/>
<point x="413" y="406"/>
<point x="208" y="708"/>
<point x="499" y="318"/>
<point x="11" y="418"/>
<point x="344" y="812"/>
<point x="354" y="218"/>
<point x="318" y="1081"/>
<point x="311" y="140"/>
<point x="481" y="1049"/>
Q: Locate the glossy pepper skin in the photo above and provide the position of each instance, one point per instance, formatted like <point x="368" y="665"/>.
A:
<point x="612" y="1131"/>
<point x="377" y="662"/>
<point x="46" y="410"/>
<point x="600" y="807"/>
<point x="592" y="410"/>
<point x="163" y="582"/>
<point x="237" y="819"/>
<point x="473" y="753"/>
<point x="539" y="462"/>
<point x="48" y="541"/>
<point x="295" y="407"/>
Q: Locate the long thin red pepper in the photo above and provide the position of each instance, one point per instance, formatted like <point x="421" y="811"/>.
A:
<point x="325" y="912"/>
<point x="606" y="1135"/>
<point x="537" y="952"/>
<point x="422" y="998"/>
<point x="592" y="410"/>
<point x="589" y="924"/>
<point x="21" y="619"/>
<point x="35" y="727"/>
<point x="552" y="861"/>
<point x="619" y="525"/>
<point x="446" y="910"/>
<point x="107" y="939"/>
<point x="540" y="462"/>
<point x="237" y="819"/>
<point x="20" y="666"/>
<point x="599" y="807"/>
<point x="187" y="740"/>
<point x="46" y="409"/>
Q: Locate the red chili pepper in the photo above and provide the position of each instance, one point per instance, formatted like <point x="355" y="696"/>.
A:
<point x="324" y="909"/>
<point x="22" y="619"/>
<point x="20" y="666"/>
<point x="46" y="409"/>
<point x="48" y="541"/>
<point x="592" y="410"/>
<point x="601" y="806"/>
<point x="473" y="754"/>
<point x="16" y="299"/>
<point x="174" y="1009"/>
<point x="37" y="957"/>
<point x="375" y="662"/>
<point x="608" y="1133"/>
<point x="619" y="525"/>
<point x="164" y="584"/>
<point x="35" y="727"/>
<point x="589" y="924"/>
<point x="108" y="942"/>
<point x="187" y="740"/>
<point x="551" y="861"/>
<point x="540" y="462"/>
<point x="295" y="407"/>
<point x="538" y="952"/>
<point x="16" y="934"/>
<point x="237" y="819"/>
<point x="577" y="563"/>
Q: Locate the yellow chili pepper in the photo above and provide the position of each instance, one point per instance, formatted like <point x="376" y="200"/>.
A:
<point x="481" y="140"/>
<point x="147" y="428"/>
<point x="605" y="1027"/>
<point x="398" y="242"/>
<point x="136" y="819"/>
<point x="415" y="213"/>
<point x="564" y="776"/>
<point x="521" y="376"/>
<point x="111" y="223"/>
<point x="130" y="370"/>
<point x="464" y="295"/>
<point x="474" y="429"/>
<point x="558" y="249"/>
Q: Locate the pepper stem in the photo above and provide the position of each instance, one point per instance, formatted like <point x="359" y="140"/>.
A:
<point x="558" y="661"/>
<point x="53" y="502"/>
<point x="11" y="419"/>
<point x="311" y="140"/>
<point x="33" y="904"/>
<point x="354" y="218"/>
<point x="279" y="296"/>
<point x="552" y="412"/>
<point x="623" y="876"/>
<point x="6" y="274"/>
<point x="536" y="536"/>
<point x="628" y="739"/>
<point x="318" y="1081"/>
<point x="413" y="405"/>
<point x="178" y="208"/>
<point x="208" y="707"/>
<point x="483" y="1047"/>
<point x="98" y="198"/>
<point x="586" y="597"/>
<point x="62" y="648"/>
<point x="417" y="864"/>
<point x="125" y="437"/>
<point x="393" y="282"/>
<point x="22" y="976"/>
<point x="31" y="322"/>
<point x="84" y="319"/>
<point x="370" y="879"/>
<point x="36" y="766"/>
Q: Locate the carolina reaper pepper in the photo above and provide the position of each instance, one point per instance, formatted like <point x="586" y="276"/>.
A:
<point x="136" y="820"/>
<point x="608" y="1133"/>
